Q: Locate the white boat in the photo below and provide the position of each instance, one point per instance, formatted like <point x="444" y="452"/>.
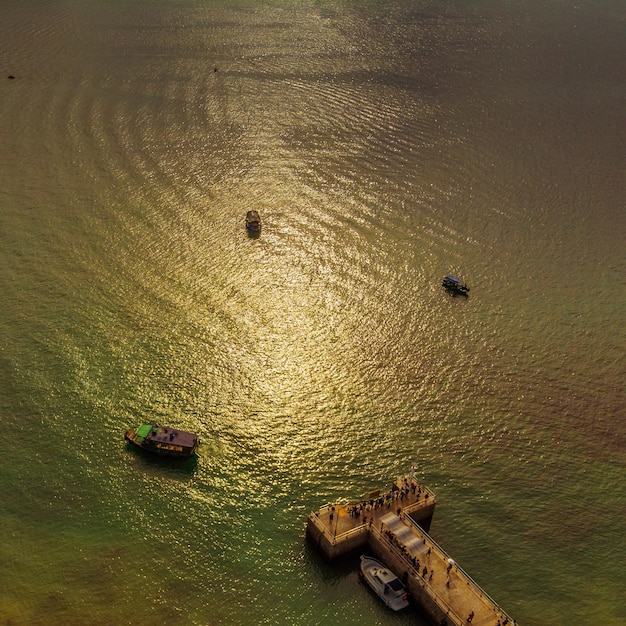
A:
<point x="385" y="583"/>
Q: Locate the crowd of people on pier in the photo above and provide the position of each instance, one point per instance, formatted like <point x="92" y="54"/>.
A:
<point x="412" y="558"/>
<point x="387" y="499"/>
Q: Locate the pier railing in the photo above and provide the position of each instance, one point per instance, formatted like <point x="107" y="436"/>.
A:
<point x="470" y="581"/>
<point x="337" y="538"/>
<point x="432" y="593"/>
<point x="479" y="591"/>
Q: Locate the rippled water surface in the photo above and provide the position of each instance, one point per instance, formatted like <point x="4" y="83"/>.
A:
<point x="385" y="145"/>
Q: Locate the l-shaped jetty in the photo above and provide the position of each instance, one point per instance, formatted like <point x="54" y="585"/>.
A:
<point x="393" y="525"/>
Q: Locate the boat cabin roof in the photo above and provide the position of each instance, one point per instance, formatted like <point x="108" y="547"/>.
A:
<point x="158" y="433"/>
<point x="453" y="279"/>
<point x="388" y="578"/>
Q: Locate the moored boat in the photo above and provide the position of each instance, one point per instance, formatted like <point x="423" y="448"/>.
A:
<point x="385" y="583"/>
<point x="455" y="285"/>
<point x="253" y="222"/>
<point x="163" y="440"/>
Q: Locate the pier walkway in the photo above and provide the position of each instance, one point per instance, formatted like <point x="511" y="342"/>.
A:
<point x="405" y="496"/>
<point x="392" y="526"/>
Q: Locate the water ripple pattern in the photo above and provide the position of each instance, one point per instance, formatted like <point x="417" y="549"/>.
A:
<point x="385" y="145"/>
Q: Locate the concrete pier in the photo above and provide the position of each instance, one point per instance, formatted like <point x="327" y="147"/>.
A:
<point x="338" y="529"/>
<point x="393" y="525"/>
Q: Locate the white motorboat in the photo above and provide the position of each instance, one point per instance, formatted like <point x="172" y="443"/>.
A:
<point x="385" y="583"/>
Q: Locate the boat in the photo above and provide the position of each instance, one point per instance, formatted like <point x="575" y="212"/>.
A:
<point x="455" y="286"/>
<point x="163" y="440"/>
<point x="385" y="583"/>
<point x="253" y="222"/>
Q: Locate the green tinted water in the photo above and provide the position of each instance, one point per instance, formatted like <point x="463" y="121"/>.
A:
<point x="385" y="146"/>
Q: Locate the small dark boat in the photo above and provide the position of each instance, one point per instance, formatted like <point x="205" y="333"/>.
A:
<point x="253" y="222"/>
<point x="163" y="440"/>
<point x="455" y="286"/>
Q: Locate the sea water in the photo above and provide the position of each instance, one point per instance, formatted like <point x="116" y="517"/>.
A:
<point x="385" y="144"/>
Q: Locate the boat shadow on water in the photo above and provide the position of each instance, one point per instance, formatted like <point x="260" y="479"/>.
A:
<point x="180" y="468"/>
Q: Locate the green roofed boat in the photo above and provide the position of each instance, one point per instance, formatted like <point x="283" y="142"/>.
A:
<point x="163" y="440"/>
